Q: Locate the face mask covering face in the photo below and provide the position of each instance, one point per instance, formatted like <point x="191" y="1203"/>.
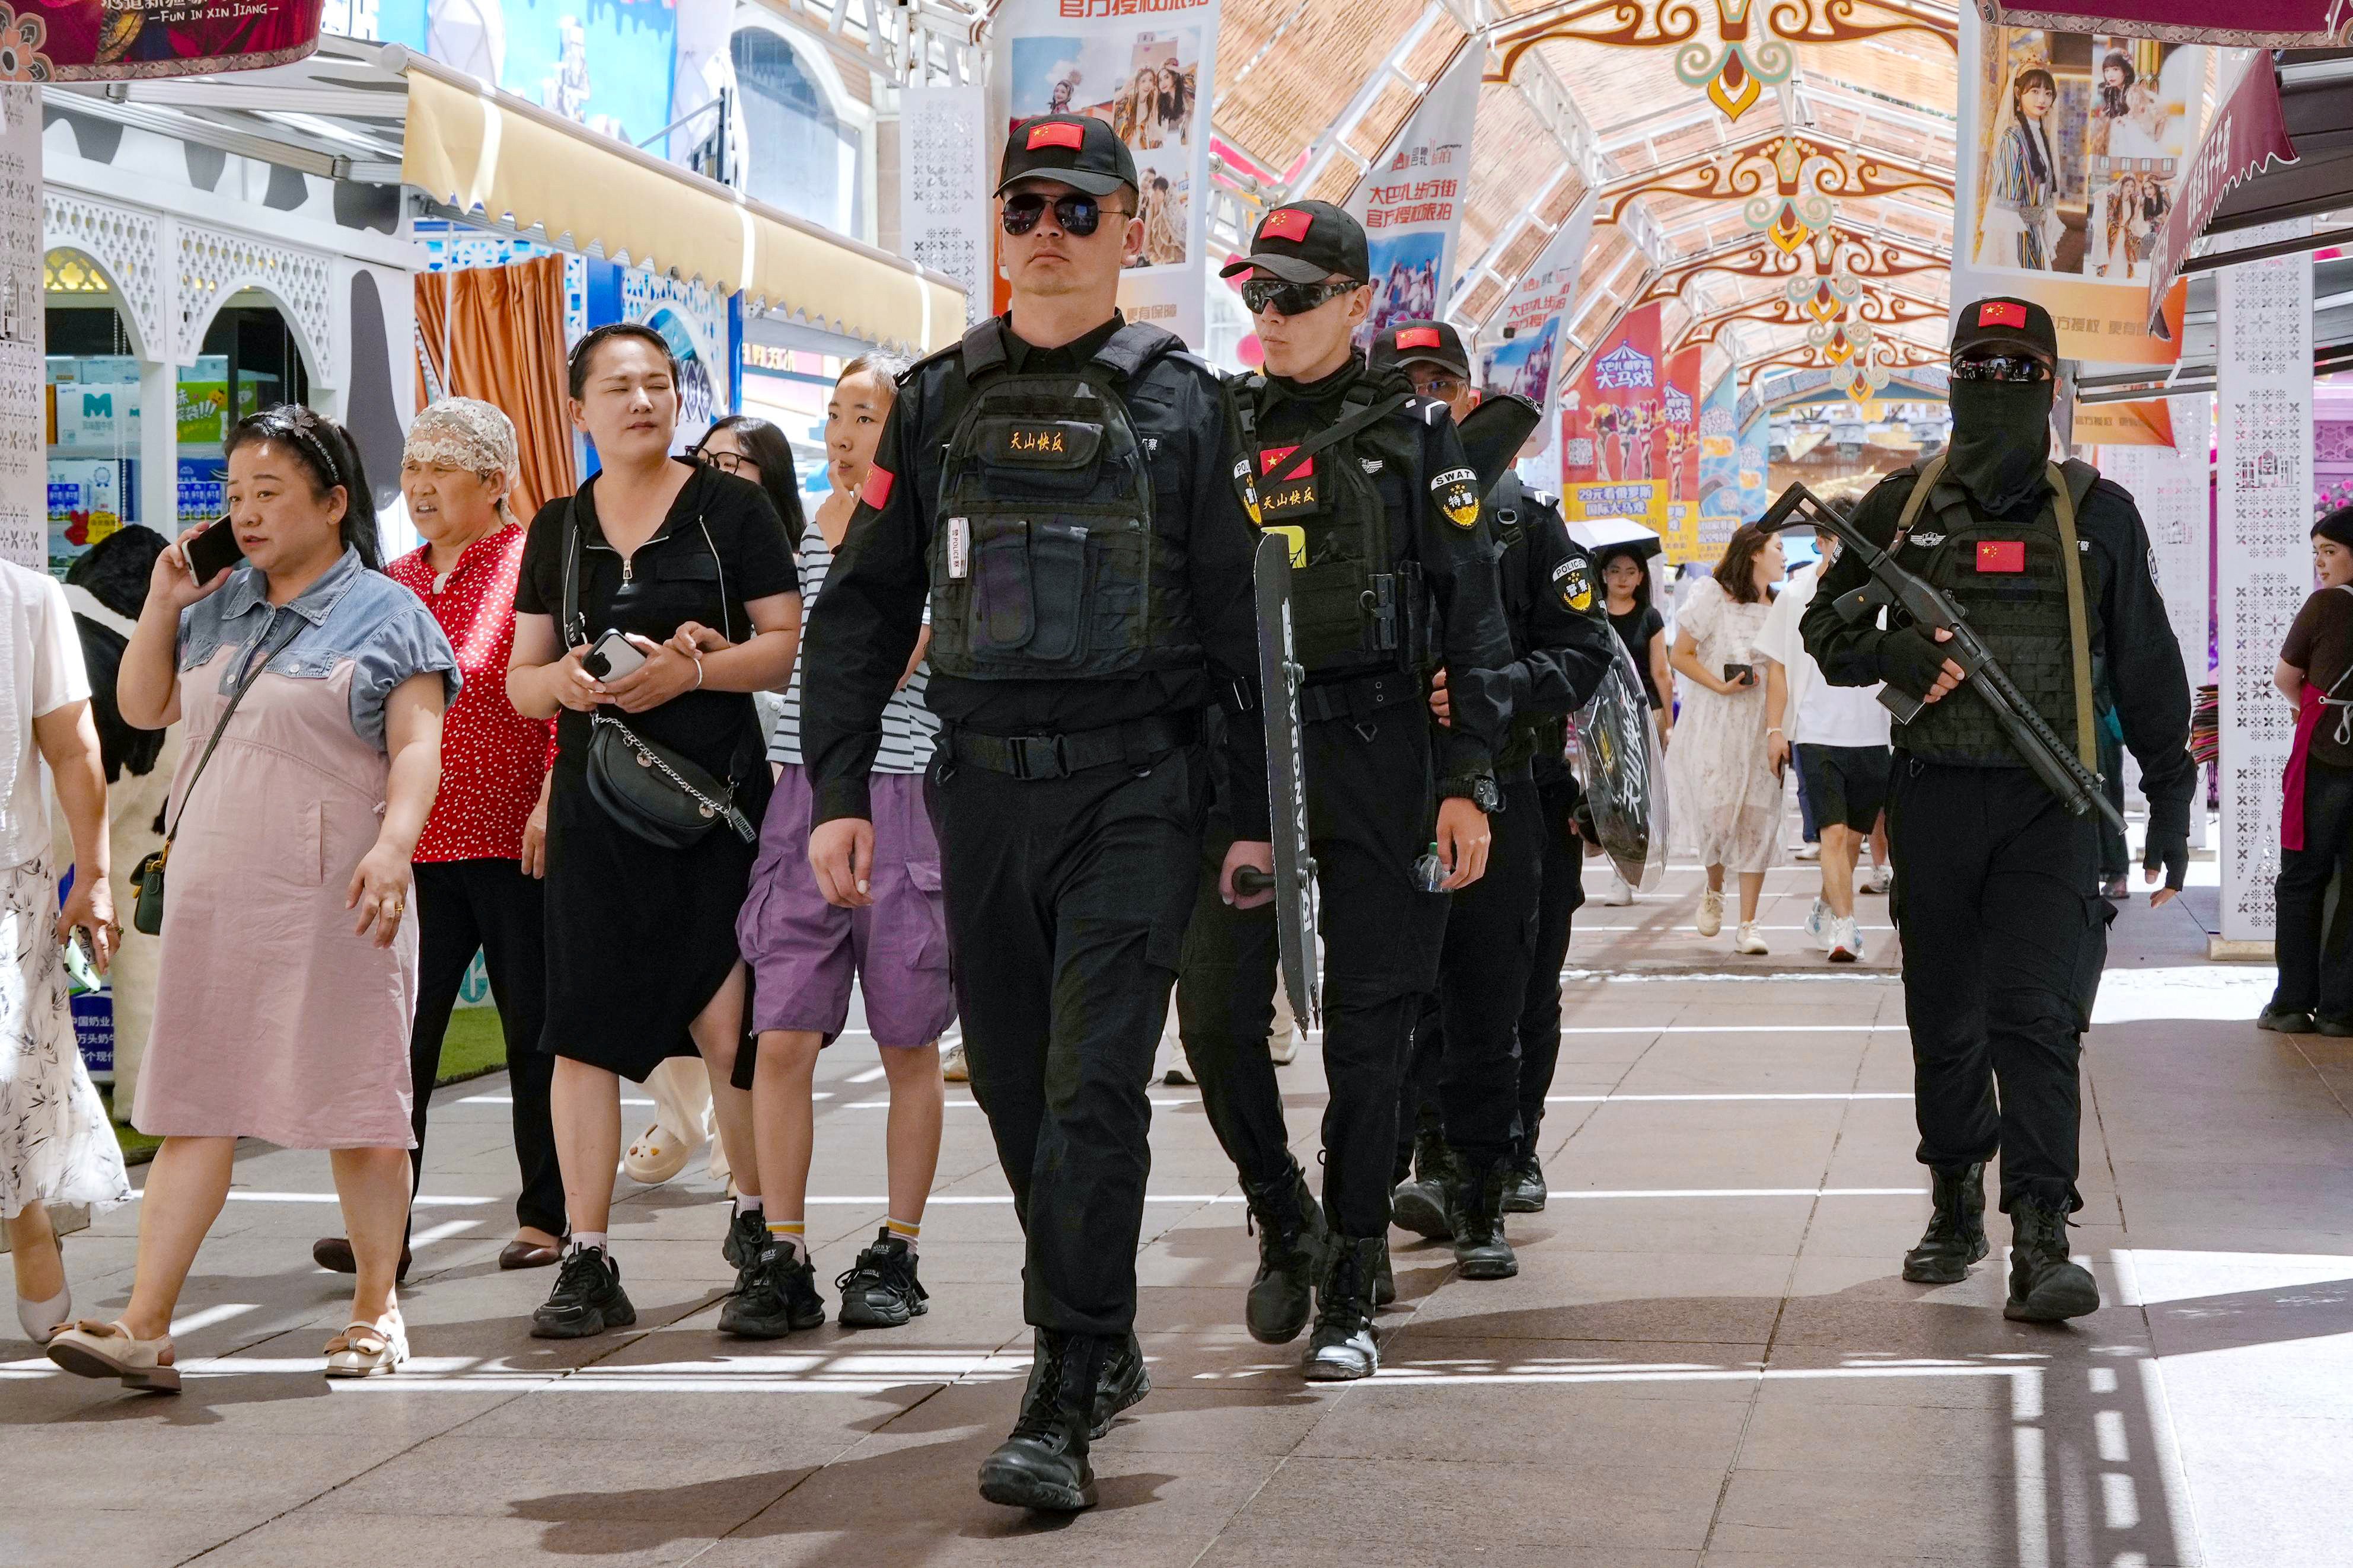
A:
<point x="2002" y="440"/>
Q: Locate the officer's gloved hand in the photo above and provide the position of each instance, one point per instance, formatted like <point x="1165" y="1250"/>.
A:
<point x="2169" y="848"/>
<point x="1912" y="663"/>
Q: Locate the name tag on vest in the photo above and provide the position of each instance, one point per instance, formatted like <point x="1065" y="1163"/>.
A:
<point x="2001" y="555"/>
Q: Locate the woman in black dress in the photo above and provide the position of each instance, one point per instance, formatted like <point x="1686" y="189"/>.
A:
<point x="641" y="958"/>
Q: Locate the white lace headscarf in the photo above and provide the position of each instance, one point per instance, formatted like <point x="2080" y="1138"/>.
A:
<point x="467" y="433"/>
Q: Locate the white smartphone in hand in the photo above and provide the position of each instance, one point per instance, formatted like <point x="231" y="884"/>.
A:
<point x="613" y="657"/>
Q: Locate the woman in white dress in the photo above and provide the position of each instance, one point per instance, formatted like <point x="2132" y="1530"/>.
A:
<point x="1727" y="797"/>
<point x="56" y="1143"/>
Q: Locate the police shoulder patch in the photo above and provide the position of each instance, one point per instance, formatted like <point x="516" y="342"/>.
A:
<point x="1573" y="579"/>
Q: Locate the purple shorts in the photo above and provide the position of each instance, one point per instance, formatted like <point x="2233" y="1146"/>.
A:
<point x="803" y="951"/>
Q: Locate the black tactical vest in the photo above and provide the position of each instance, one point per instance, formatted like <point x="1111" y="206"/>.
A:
<point x="2008" y="579"/>
<point x="1357" y="609"/>
<point x="1046" y="563"/>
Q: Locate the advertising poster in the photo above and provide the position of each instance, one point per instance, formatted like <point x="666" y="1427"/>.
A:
<point x="1719" y="465"/>
<point x="1678" y="439"/>
<point x="2070" y="154"/>
<point x="1411" y="200"/>
<point x="87" y="496"/>
<point x="1147" y="74"/>
<point x="1610" y="416"/>
<point x="1756" y="466"/>
<point x="943" y="184"/>
<point x="1520" y="344"/>
<point x="606" y="63"/>
<point x="2117" y="424"/>
<point x="105" y="40"/>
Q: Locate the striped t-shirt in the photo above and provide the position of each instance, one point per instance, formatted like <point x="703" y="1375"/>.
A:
<point x="909" y="729"/>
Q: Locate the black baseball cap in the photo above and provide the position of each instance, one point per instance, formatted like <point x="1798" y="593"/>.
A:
<point x="1081" y="151"/>
<point x="1306" y="242"/>
<point x="1420" y="342"/>
<point x="2002" y="323"/>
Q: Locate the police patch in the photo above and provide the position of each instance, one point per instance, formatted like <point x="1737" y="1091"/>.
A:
<point x="1457" y="491"/>
<point x="1574" y="579"/>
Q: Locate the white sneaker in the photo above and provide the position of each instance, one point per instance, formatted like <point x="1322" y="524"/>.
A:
<point x="1747" y="941"/>
<point x="1711" y="912"/>
<point x="1846" y="941"/>
<point x="1622" y="891"/>
<point x="1883" y="878"/>
<point x="1807" y="852"/>
<point x="952" y="1065"/>
<point x="1818" y="921"/>
<point x="1284" y="1048"/>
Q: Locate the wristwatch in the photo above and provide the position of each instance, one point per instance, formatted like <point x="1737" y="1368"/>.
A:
<point x="1477" y="789"/>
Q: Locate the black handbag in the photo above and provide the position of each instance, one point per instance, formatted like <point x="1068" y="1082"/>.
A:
<point x="648" y="789"/>
<point x="147" y="876"/>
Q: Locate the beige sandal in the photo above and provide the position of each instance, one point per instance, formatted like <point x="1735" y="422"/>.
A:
<point x="109" y="1350"/>
<point x="368" y="1349"/>
<point x="656" y="1156"/>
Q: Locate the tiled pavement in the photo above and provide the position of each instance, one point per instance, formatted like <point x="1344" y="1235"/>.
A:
<point x="1707" y="1356"/>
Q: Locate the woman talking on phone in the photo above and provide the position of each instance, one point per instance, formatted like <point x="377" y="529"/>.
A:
<point x="660" y="775"/>
<point x="314" y="687"/>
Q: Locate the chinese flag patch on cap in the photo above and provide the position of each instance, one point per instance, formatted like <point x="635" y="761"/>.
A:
<point x="876" y="492"/>
<point x="2002" y="314"/>
<point x="1060" y="133"/>
<point x="1417" y="338"/>
<point x="1289" y="223"/>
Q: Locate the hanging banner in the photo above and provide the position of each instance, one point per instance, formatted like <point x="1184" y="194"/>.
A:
<point x="2249" y="23"/>
<point x="2071" y="151"/>
<point x="86" y="40"/>
<point x="944" y="186"/>
<point x="1756" y="464"/>
<point x="2249" y="134"/>
<point x="23" y="380"/>
<point x="1610" y="418"/>
<point x="1520" y="344"/>
<point x="2262" y="554"/>
<point x="1719" y="465"/>
<point x="1411" y="200"/>
<point x="2121" y="425"/>
<point x="1678" y="441"/>
<point x="1145" y="69"/>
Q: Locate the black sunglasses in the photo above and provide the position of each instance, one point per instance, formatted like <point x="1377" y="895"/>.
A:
<point x="1260" y="295"/>
<point x="2001" y="367"/>
<point x="1078" y="214"/>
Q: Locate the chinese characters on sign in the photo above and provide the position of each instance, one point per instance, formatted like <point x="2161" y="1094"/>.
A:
<point x="1411" y="201"/>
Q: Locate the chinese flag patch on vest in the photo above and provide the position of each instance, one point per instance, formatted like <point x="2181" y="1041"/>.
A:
<point x="876" y="492"/>
<point x="1059" y="134"/>
<point x="2002" y="314"/>
<point x="1271" y="457"/>
<point x="1417" y="338"/>
<point x="2001" y="555"/>
<point x="1289" y="223"/>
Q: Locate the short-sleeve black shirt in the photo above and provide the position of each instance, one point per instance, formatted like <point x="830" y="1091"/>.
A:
<point x="721" y="547"/>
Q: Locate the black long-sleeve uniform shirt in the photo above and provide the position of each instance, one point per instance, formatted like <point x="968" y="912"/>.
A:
<point x="864" y="626"/>
<point x="2129" y="628"/>
<point x="1563" y="646"/>
<point x="1412" y="457"/>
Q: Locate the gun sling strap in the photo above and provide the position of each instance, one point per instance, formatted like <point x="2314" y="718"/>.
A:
<point x="2069" y="486"/>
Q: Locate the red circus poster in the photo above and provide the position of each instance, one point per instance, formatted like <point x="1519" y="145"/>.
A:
<point x="1678" y="437"/>
<point x="1613" y="427"/>
<point x="94" y="40"/>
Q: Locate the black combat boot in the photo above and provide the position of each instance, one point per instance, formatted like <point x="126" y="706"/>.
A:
<point x="1384" y="1278"/>
<point x="1526" y="1192"/>
<point x="1292" y="1235"/>
<point x="1343" y="1349"/>
<point x="1124" y="1382"/>
<point x="1474" y="1213"/>
<point x="1955" y="1237"/>
<point x="1419" y="1205"/>
<point x="1043" y="1465"/>
<point x="2045" y="1286"/>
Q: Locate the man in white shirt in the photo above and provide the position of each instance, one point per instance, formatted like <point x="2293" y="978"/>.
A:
<point x="1838" y="736"/>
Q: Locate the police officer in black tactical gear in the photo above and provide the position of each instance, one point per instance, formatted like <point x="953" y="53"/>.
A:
<point x="1369" y="483"/>
<point x="1465" y="1064"/>
<point x="1997" y="883"/>
<point x="1059" y="486"/>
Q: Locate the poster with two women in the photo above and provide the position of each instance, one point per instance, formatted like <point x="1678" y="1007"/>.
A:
<point x="2072" y="148"/>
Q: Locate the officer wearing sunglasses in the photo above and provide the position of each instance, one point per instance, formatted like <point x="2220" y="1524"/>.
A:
<point x="1996" y="885"/>
<point x="1388" y="544"/>
<point x="1055" y="488"/>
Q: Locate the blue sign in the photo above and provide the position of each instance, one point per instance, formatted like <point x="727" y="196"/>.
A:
<point x="606" y="64"/>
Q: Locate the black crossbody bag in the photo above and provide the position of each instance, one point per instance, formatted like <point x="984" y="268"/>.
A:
<point x="647" y="789"/>
<point x="147" y="876"/>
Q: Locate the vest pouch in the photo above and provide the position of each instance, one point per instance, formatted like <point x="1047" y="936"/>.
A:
<point x="1024" y="458"/>
<point x="1332" y="625"/>
<point x="1003" y="605"/>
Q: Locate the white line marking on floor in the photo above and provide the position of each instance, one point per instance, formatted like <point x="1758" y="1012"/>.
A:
<point x="442" y="1232"/>
<point x="422" y="1202"/>
<point x="869" y="1076"/>
<point x="208" y="1316"/>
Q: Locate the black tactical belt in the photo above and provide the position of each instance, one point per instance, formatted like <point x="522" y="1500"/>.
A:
<point x="1134" y="745"/>
<point x="1358" y="699"/>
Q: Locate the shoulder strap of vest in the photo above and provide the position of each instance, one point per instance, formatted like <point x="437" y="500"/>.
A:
<point x="1508" y="495"/>
<point x="984" y="349"/>
<point x="1924" y="479"/>
<point x="1364" y="417"/>
<point x="2067" y="489"/>
<point x="1134" y="346"/>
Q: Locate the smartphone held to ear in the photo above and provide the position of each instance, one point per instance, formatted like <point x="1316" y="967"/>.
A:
<point x="613" y="657"/>
<point x="214" y="550"/>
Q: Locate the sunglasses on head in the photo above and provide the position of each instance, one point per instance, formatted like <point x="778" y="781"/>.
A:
<point x="1260" y="295"/>
<point x="1077" y="213"/>
<point x="2000" y="367"/>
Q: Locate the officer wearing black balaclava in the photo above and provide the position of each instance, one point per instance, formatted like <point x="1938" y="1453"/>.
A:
<point x="1997" y="883"/>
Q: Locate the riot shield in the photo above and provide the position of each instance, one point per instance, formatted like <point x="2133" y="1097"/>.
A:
<point x="1294" y="871"/>
<point x="1615" y="749"/>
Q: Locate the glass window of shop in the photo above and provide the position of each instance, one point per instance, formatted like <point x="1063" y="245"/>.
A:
<point x="788" y="387"/>
<point x="798" y="157"/>
<point x="249" y="359"/>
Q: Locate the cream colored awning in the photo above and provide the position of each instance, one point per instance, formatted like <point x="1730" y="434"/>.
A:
<point x="474" y="149"/>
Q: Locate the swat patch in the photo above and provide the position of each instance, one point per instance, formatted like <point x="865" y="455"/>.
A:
<point x="1574" y="580"/>
<point x="1457" y="491"/>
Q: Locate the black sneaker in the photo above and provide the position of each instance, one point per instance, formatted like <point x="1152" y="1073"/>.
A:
<point x="1123" y="1383"/>
<point x="2045" y="1285"/>
<point x="587" y="1299"/>
<point x="778" y="1297"/>
<point x="881" y="1290"/>
<point x="1291" y="1241"/>
<point x="1525" y="1192"/>
<point x="747" y="1238"/>
<point x="1043" y="1464"/>
<point x="1955" y="1237"/>
<point x="1343" y="1349"/>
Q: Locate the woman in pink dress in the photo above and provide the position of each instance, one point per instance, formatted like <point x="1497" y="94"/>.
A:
<point x="288" y="973"/>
